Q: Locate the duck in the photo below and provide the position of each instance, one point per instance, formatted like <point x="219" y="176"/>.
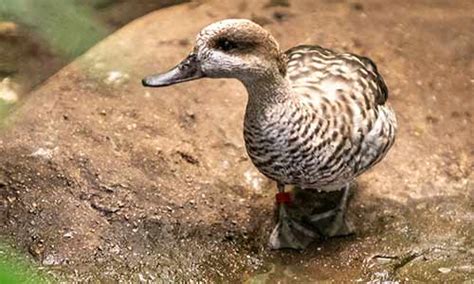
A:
<point x="315" y="119"/>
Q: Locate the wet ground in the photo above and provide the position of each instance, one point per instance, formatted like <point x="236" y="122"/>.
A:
<point x="102" y="179"/>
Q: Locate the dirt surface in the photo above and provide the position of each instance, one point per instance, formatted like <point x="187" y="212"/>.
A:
<point x="103" y="179"/>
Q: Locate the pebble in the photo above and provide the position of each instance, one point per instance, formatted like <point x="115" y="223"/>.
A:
<point x="141" y="278"/>
<point x="68" y="235"/>
<point x="131" y="126"/>
<point x="51" y="260"/>
<point x="444" y="270"/>
<point x="115" y="250"/>
<point x="43" y="153"/>
<point x="384" y="260"/>
<point x="8" y="28"/>
<point x="115" y="77"/>
<point x="7" y="92"/>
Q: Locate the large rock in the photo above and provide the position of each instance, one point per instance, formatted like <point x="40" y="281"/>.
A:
<point x="102" y="178"/>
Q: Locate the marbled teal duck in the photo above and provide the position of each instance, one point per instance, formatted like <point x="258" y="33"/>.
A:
<point x="315" y="118"/>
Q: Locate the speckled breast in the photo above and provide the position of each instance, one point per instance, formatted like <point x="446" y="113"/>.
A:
<point x="289" y="149"/>
<point x="297" y="147"/>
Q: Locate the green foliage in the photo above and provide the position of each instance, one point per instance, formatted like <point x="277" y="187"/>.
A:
<point x="67" y="26"/>
<point x="16" y="269"/>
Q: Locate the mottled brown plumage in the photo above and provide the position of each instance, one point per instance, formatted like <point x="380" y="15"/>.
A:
<point x="315" y="118"/>
<point x="332" y="125"/>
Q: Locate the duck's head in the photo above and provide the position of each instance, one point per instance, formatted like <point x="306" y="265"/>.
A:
<point x="233" y="48"/>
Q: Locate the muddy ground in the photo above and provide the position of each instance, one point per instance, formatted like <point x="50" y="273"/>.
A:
<point x="104" y="180"/>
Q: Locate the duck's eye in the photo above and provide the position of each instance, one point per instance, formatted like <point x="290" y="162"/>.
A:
<point x="226" y="45"/>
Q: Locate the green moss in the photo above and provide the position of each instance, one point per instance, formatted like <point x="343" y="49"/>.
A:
<point x="15" y="268"/>
<point x="4" y="107"/>
<point x="67" y="26"/>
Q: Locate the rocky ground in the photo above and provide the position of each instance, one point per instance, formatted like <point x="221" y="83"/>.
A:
<point x="101" y="179"/>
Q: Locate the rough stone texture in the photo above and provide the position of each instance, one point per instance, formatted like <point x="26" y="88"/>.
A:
<point x="103" y="179"/>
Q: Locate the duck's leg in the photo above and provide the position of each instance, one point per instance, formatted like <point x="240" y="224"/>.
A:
<point x="333" y="223"/>
<point x="289" y="233"/>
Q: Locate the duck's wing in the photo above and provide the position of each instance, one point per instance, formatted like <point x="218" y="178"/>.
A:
<point x="326" y="71"/>
<point x="346" y="98"/>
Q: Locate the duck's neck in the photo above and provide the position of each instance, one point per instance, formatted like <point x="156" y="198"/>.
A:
<point x="267" y="91"/>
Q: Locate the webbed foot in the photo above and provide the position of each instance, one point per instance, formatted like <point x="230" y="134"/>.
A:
<point x="289" y="233"/>
<point x="333" y="223"/>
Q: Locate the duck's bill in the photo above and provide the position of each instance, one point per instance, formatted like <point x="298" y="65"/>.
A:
<point x="189" y="69"/>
